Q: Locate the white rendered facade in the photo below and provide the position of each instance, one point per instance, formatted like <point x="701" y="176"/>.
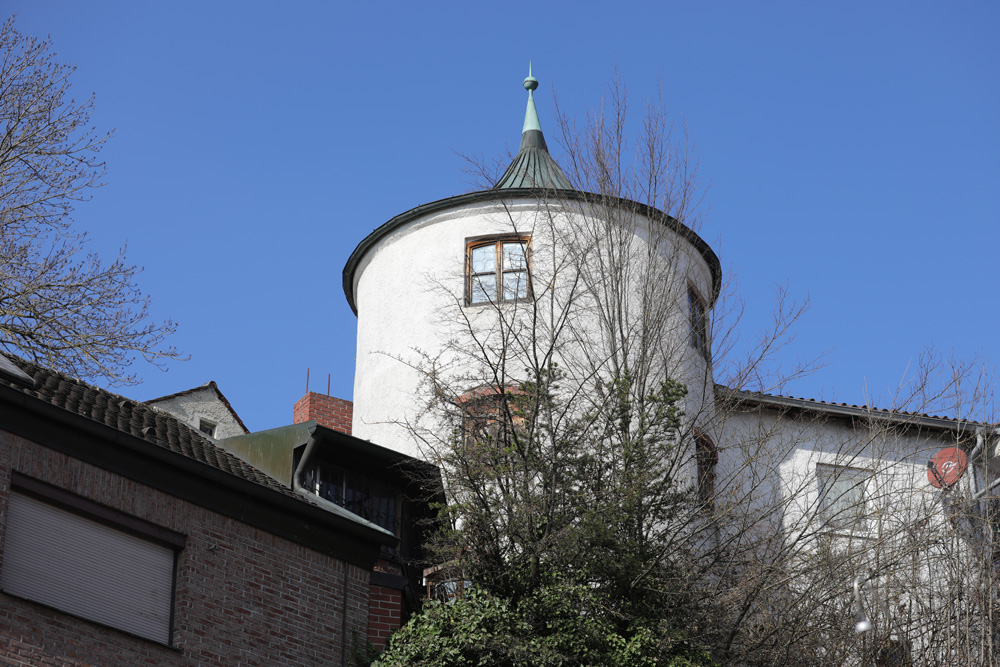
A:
<point x="806" y="479"/>
<point x="410" y="291"/>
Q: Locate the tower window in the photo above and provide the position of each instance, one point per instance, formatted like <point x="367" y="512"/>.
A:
<point x="698" y="315"/>
<point x="490" y="417"/>
<point x="706" y="458"/>
<point x="497" y="270"/>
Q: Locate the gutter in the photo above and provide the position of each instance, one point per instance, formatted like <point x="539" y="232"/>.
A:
<point x="333" y="508"/>
<point x="785" y="402"/>
<point x="306" y="508"/>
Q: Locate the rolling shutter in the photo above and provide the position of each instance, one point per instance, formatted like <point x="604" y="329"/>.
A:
<point x="87" y="569"/>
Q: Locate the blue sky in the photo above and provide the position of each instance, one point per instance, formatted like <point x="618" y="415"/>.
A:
<point x="852" y="151"/>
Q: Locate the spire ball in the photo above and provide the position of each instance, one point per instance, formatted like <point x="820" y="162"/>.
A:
<point x="530" y="83"/>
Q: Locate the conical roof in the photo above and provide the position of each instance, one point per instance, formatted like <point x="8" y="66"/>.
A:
<point x="533" y="167"/>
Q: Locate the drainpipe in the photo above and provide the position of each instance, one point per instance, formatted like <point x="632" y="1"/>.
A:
<point x="336" y="509"/>
<point x="316" y="499"/>
<point x="300" y="468"/>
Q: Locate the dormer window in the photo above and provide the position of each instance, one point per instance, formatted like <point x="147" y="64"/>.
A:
<point x="207" y="427"/>
<point x="497" y="269"/>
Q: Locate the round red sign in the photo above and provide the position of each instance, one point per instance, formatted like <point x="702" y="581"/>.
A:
<point x="946" y="467"/>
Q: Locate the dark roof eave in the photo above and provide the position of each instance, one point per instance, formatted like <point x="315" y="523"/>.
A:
<point x="215" y="478"/>
<point x="366" y="448"/>
<point x="513" y="193"/>
<point x="742" y="397"/>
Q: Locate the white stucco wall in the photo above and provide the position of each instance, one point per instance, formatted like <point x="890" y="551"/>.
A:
<point x="772" y="458"/>
<point x="201" y="403"/>
<point x="410" y="296"/>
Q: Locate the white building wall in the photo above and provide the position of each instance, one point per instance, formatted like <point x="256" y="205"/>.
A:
<point x="410" y="296"/>
<point x="911" y="551"/>
<point x="202" y="403"/>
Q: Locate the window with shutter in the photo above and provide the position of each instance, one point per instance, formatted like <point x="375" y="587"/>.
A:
<point x="59" y="557"/>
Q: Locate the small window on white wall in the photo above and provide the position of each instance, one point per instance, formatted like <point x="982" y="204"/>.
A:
<point x="207" y="427"/>
<point x="87" y="568"/>
<point x="842" y="492"/>
<point x="497" y="270"/>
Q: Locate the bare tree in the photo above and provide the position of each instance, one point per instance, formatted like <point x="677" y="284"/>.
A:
<point x="582" y="436"/>
<point x="59" y="303"/>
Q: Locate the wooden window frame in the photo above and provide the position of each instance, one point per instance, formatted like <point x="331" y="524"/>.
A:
<point x="499" y="271"/>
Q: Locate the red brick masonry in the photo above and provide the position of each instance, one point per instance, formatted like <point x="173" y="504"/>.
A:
<point x="335" y="413"/>
<point x="243" y="596"/>
<point x="385" y="606"/>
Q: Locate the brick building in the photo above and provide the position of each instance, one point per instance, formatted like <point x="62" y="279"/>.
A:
<point x="388" y="488"/>
<point x="128" y="537"/>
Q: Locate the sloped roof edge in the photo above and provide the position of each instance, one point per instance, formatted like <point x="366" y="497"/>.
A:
<point x="208" y="385"/>
<point x="902" y="417"/>
<point x="510" y="194"/>
<point x="163" y="440"/>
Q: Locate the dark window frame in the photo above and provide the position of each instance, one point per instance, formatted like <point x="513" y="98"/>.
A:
<point x="706" y="460"/>
<point x="369" y="496"/>
<point x="698" y="322"/>
<point x="90" y="509"/>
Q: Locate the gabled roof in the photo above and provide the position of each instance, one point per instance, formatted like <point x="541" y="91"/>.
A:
<point x="158" y="450"/>
<point x="211" y="386"/>
<point x="134" y="418"/>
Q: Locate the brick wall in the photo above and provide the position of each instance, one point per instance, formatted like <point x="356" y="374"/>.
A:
<point x="243" y="596"/>
<point x="335" y="413"/>
<point x="384" y="614"/>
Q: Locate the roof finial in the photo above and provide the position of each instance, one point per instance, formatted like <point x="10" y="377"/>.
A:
<point x="531" y="83"/>
<point x="531" y="115"/>
<point x="533" y="167"/>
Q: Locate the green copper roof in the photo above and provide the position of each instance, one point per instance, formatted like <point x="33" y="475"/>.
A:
<point x="533" y="167"/>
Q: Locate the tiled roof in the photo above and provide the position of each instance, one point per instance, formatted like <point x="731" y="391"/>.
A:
<point x="827" y="407"/>
<point x="135" y="418"/>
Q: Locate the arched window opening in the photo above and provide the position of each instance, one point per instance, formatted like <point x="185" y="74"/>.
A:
<point x="490" y="416"/>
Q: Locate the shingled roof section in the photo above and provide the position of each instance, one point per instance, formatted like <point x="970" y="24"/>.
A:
<point x="135" y="418"/>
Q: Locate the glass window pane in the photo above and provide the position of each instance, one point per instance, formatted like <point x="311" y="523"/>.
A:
<point x="514" y="256"/>
<point x="484" y="259"/>
<point x="484" y="288"/>
<point x="515" y="285"/>
<point x="842" y="496"/>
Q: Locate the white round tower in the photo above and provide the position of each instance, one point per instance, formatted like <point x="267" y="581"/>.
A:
<point x="467" y="291"/>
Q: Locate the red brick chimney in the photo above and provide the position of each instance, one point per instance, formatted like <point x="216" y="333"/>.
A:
<point x="335" y="413"/>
